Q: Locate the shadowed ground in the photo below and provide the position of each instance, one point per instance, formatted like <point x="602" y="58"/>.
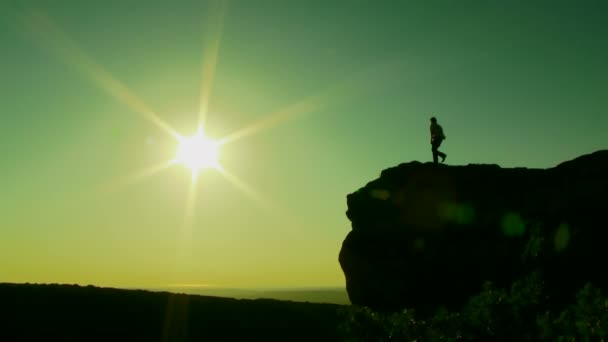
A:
<point x="75" y="313"/>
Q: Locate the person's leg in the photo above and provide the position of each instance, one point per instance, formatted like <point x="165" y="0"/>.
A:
<point x="442" y="155"/>
<point x="436" y="152"/>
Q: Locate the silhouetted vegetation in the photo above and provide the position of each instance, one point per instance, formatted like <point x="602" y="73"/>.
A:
<point x="525" y="311"/>
<point x="515" y="314"/>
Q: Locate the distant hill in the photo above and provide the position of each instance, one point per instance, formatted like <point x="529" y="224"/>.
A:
<point x="54" y="312"/>
<point x="328" y="295"/>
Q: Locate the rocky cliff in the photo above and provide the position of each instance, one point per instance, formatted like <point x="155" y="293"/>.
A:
<point x="426" y="235"/>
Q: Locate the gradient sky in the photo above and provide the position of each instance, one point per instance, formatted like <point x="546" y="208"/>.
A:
<point x="516" y="83"/>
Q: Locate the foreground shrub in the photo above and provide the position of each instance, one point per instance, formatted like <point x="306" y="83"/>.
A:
<point x="515" y="314"/>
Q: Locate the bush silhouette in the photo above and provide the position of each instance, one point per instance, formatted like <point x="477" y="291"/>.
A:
<point x="524" y="311"/>
<point x="515" y="314"/>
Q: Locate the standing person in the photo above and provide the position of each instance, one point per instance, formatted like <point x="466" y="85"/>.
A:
<point x="437" y="137"/>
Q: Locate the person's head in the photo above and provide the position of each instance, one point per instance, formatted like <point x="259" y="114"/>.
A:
<point x="433" y="119"/>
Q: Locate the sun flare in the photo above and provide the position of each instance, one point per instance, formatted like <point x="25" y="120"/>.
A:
<point x="197" y="153"/>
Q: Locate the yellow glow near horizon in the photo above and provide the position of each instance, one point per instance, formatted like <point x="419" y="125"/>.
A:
<point x="197" y="152"/>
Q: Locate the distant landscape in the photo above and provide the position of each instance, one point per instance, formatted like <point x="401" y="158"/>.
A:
<point x="59" y="312"/>
<point x="330" y="295"/>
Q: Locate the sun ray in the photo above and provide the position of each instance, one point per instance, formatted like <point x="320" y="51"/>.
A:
<point x="259" y="199"/>
<point x="210" y="56"/>
<point x="290" y="220"/>
<point x="183" y="246"/>
<point x="189" y="212"/>
<point x="291" y="112"/>
<point x="137" y="176"/>
<point x="339" y="92"/>
<point x="53" y="38"/>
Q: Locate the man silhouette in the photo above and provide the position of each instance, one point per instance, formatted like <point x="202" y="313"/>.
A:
<point x="437" y="137"/>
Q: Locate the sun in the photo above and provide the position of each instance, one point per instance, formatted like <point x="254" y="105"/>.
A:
<point x="197" y="152"/>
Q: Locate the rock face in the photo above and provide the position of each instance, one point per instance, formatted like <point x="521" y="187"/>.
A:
<point x="426" y="235"/>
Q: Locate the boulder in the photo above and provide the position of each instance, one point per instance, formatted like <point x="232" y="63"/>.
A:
<point x="426" y="235"/>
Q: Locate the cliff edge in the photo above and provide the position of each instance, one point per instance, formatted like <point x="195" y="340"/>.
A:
<point x="425" y="235"/>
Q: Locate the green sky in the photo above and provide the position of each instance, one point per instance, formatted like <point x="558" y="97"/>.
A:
<point x="516" y="83"/>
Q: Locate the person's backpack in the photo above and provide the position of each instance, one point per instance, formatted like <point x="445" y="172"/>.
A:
<point x="441" y="134"/>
